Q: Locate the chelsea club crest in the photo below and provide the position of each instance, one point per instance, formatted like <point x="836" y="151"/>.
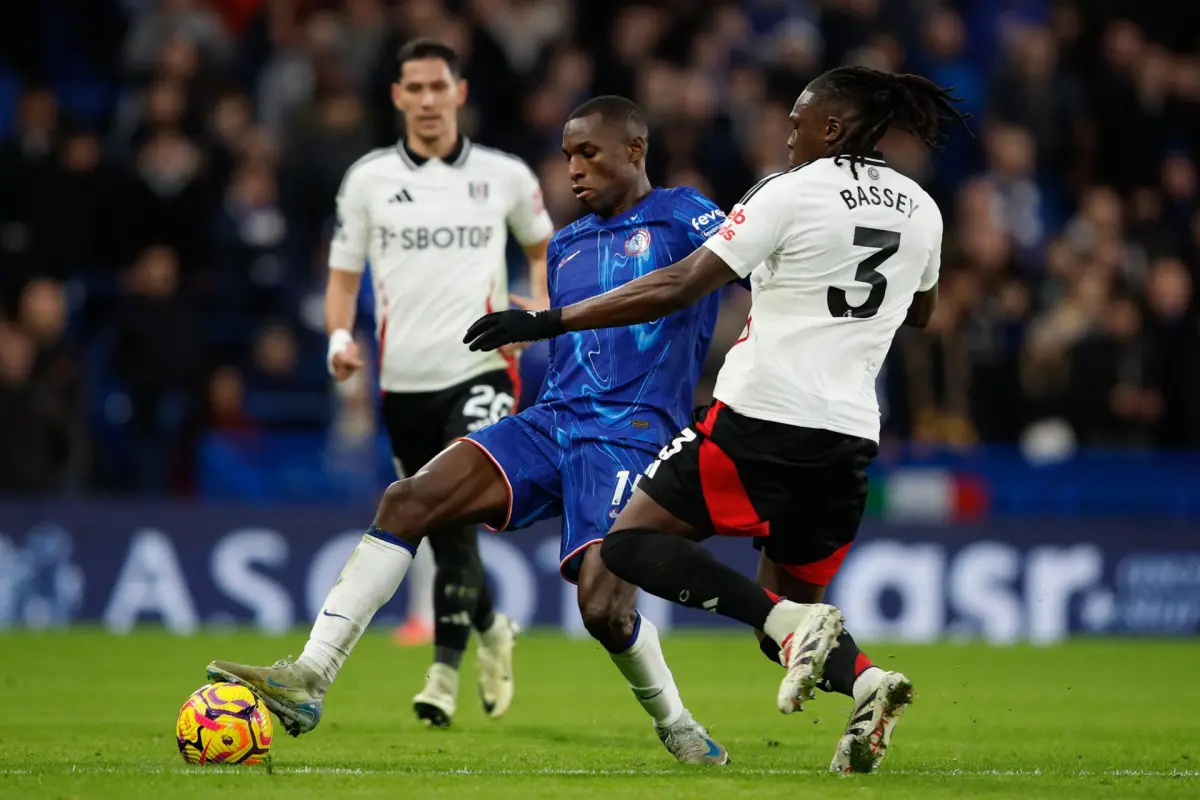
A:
<point x="638" y="242"/>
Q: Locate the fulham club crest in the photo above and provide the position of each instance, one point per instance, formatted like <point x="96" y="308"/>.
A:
<point x="638" y="242"/>
<point x="478" y="191"/>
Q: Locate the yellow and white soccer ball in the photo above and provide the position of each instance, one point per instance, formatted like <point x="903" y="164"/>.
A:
<point x="224" y="723"/>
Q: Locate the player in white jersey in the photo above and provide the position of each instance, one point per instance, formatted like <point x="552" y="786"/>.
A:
<point x="432" y="215"/>
<point x="841" y="250"/>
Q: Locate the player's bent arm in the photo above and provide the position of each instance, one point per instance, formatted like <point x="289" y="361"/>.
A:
<point x="652" y="296"/>
<point x="920" y="311"/>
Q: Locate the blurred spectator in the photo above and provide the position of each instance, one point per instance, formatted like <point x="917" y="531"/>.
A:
<point x="42" y="315"/>
<point x="1019" y="202"/>
<point x="1114" y="393"/>
<point x="227" y="403"/>
<point x="159" y="354"/>
<point x="38" y="429"/>
<point x="249" y="241"/>
<point x="162" y="199"/>
<point x="69" y="210"/>
<point x="1033" y="92"/>
<point x="24" y="161"/>
<point x="1172" y="333"/>
<point x="275" y="362"/>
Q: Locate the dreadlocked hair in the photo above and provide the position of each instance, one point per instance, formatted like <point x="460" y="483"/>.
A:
<point x="885" y="100"/>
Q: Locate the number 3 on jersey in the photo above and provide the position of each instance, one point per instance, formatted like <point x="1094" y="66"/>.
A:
<point x="686" y="435"/>
<point x="886" y="243"/>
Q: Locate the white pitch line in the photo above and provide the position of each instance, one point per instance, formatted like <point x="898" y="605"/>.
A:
<point x="732" y="772"/>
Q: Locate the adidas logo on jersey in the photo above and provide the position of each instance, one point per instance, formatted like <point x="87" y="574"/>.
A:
<point x="401" y="196"/>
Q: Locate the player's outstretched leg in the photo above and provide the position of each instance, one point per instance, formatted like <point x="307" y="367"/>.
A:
<point x="880" y="697"/>
<point x="651" y="548"/>
<point x="459" y="486"/>
<point x="608" y="607"/>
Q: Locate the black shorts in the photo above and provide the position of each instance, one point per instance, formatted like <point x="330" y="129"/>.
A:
<point x="421" y="424"/>
<point x="800" y="492"/>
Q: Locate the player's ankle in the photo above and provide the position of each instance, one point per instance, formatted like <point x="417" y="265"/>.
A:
<point x="318" y="673"/>
<point x="448" y="656"/>
<point x="669" y="718"/>
<point x="486" y="626"/>
<point x="865" y="681"/>
<point x="495" y="633"/>
<point x="783" y="620"/>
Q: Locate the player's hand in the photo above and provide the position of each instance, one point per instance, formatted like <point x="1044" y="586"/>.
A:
<point x="527" y="304"/>
<point x="499" y="328"/>
<point x="345" y="362"/>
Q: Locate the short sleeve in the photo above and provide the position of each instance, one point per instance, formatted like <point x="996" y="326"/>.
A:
<point x="929" y="277"/>
<point x="348" y="250"/>
<point x="757" y="226"/>
<point x="527" y="218"/>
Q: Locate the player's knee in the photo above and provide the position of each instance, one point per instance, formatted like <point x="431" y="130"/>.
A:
<point x="403" y="510"/>
<point x="619" y="552"/>
<point x="606" y="618"/>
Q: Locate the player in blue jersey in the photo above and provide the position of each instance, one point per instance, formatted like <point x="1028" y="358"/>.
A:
<point x="610" y="401"/>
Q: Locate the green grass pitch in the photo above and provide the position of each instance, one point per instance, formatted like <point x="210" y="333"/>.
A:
<point x="84" y="714"/>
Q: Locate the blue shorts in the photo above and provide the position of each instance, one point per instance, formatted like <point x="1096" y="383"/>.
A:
<point x="553" y="471"/>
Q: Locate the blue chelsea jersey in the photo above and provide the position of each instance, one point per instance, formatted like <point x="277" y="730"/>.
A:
<point x="635" y="382"/>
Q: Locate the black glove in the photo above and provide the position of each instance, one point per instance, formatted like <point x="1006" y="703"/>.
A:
<point x="509" y="327"/>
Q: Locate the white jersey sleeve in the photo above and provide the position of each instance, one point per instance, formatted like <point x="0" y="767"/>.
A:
<point x="351" y="237"/>
<point x="528" y="219"/>
<point x="757" y="227"/>
<point x="933" y="268"/>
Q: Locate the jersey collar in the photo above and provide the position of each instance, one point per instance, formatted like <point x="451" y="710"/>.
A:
<point x="455" y="158"/>
<point x="875" y="158"/>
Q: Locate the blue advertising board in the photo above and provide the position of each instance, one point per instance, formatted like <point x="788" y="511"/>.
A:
<point x="186" y="566"/>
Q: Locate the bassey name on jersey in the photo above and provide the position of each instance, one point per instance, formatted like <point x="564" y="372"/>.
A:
<point x="875" y="196"/>
<point x="470" y="237"/>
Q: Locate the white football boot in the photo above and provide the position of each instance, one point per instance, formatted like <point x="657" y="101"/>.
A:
<point x="288" y="689"/>
<point x="495" y="656"/>
<point x="803" y="655"/>
<point x="436" y="702"/>
<point x="878" y="704"/>
<point x="690" y="743"/>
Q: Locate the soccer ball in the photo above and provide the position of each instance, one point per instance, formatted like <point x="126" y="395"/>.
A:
<point x="224" y="723"/>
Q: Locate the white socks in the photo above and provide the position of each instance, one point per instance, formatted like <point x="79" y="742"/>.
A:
<point x="650" y="679"/>
<point x="865" y="682"/>
<point x="369" y="579"/>
<point x="783" y="620"/>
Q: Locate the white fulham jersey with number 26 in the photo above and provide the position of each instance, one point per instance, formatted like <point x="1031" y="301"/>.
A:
<point x="434" y="233"/>
<point x="834" y="261"/>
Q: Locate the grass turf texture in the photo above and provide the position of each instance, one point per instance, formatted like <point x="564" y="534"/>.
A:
<point x="84" y="714"/>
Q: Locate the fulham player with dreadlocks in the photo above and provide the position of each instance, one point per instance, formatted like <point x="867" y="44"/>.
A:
<point x="840" y="250"/>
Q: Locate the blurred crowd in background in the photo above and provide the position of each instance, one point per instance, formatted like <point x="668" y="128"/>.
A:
<point x="168" y="170"/>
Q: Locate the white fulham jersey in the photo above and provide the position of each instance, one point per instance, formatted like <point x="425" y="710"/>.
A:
<point x="834" y="261"/>
<point x="434" y="233"/>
